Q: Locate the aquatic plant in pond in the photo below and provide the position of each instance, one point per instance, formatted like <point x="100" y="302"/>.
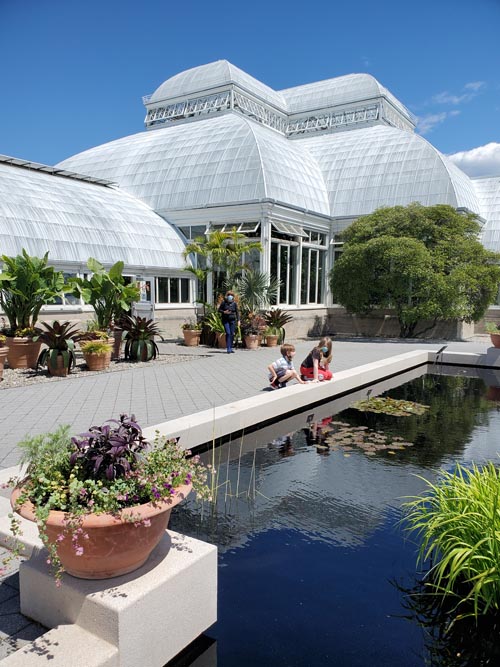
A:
<point x="390" y="406"/>
<point x="458" y="524"/>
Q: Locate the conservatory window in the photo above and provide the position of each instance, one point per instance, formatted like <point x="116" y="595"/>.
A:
<point x="284" y="261"/>
<point x="173" y="290"/>
<point x="313" y="271"/>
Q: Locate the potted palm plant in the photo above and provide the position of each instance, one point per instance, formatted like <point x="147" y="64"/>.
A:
<point x="26" y="284"/>
<point x="192" y="333"/>
<point x="60" y="339"/>
<point x="102" y="500"/>
<point x="139" y="334"/>
<point x="97" y="354"/>
<point x="213" y="322"/>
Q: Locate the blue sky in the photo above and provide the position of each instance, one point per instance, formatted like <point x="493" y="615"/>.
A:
<point x="73" y="73"/>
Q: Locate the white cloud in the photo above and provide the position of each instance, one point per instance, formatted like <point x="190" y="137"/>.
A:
<point x="469" y="91"/>
<point x="426" y="124"/>
<point x="480" y="161"/>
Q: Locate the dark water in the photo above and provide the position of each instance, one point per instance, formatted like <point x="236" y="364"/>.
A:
<point x="312" y="555"/>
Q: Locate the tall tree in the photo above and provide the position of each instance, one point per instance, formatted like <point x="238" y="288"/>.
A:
<point x="426" y="263"/>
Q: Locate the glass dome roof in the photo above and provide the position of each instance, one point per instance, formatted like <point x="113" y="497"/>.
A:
<point x="220" y="160"/>
<point x="383" y="166"/>
<point x="338" y="91"/>
<point x="488" y="193"/>
<point x="74" y="220"/>
<point x="213" y="75"/>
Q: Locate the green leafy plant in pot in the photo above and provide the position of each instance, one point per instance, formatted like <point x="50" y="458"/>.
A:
<point x="97" y="354"/>
<point x="102" y="500"/>
<point x="26" y="284"/>
<point x="139" y="334"/>
<point x="106" y="292"/>
<point x="60" y="338"/>
<point x="276" y="319"/>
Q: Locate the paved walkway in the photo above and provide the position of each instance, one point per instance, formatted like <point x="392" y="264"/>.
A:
<point x="159" y="392"/>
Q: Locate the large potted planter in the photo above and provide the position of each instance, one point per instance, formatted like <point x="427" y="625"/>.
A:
<point x="97" y="354"/>
<point x="251" y="341"/>
<point x="102" y="500"/>
<point x="272" y="336"/>
<point x="22" y="351"/>
<point x="26" y="284"/>
<point x="192" y="333"/>
<point x="494" y="332"/>
<point x="139" y="336"/>
<point x="60" y="338"/>
<point x="3" y="354"/>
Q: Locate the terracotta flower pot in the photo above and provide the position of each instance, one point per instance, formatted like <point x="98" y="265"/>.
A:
<point x="22" y="352"/>
<point x="271" y="340"/>
<point x="60" y="370"/>
<point x="191" y="337"/>
<point x="115" y="545"/>
<point x="117" y="343"/>
<point x="3" y="359"/>
<point x="97" y="361"/>
<point x="251" y="342"/>
<point x="221" y="340"/>
<point x="495" y="339"/>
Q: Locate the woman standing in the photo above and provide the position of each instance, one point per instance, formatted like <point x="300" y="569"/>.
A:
<point x="230" y="317"/>
<point x="315" y="366"/>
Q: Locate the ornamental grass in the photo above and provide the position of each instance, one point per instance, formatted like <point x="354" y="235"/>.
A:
<point x="458" y="523"/>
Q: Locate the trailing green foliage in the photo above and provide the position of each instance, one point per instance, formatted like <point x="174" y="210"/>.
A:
<point x="424" y="262"/>
<point x="106" y="292"/>
<point x="27" y="284"/>
<point x="96" y="347"/>
<point x="458" y="524"/>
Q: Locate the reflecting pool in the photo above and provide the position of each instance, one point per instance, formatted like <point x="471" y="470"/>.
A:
<point x="312" y="556"/>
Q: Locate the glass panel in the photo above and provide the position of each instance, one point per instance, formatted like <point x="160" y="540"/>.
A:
<point x="321" y="275"/>
<point x="274" y="264"/>
<point x="252" y="259"/>
<point x="313" y="276"/>
<point x="174" y="290"/>
<point x="162" y="290"/>
<point x="184" y="290"/>
<point x="292" y="275"/>
<point x="304" y="278"/>
<point x="284" y="251"/>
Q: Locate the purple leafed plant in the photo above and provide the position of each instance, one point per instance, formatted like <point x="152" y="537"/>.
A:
<point x="107" y="452"/>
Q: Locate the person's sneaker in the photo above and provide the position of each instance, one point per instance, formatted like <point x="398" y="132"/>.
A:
<point x="281" y="385"/>
<point x="275" y="384"/>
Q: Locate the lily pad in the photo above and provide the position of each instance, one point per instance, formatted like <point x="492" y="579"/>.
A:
<point x="390" y="406"/>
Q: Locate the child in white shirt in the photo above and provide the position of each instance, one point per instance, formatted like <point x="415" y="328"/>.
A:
<point x="282" y="370"/>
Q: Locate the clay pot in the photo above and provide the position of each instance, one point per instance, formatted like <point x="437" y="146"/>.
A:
<point x="495" y="339"/>
<point x="252" y="342"/>
<point x="22" y="352"/>
<point x="115" y="545"/>
<point x="97" y="361"/>
<point x="221" y="340"/>
<point x="272" y="340"/>
<point x="191" y="337"/>
<point x="60" y="370"/>
<point x="3" y="359"/>
<point x="117" y="343"/>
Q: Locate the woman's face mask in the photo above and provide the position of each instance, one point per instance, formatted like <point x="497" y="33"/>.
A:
<point x="230" y="298"/>
<point x="324" y="350"/>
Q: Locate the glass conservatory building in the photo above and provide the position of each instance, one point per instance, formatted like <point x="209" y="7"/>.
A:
<point x="292" y="168"/>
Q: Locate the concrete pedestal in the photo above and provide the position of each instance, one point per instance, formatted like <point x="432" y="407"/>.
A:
<point x="143" y="618"/>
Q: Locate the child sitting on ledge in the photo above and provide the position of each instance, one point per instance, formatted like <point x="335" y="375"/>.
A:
<point x="282" y="370"/>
